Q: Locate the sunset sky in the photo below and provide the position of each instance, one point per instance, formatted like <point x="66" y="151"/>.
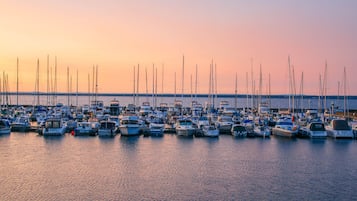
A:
<point x="117" y="35"/>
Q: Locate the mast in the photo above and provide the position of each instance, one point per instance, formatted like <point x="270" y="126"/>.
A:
<point x="48" y="80"/>
<point x="55" y="87"/>
<point x="325" y="87"/>
<point x="155" y="88"/>
<point x="183" y="75"/>
<point x="215" y="83"/>
<point x="196" y="82"/>
<point x="289" y="72"/>
<point x="89" y="89"/>
<point x="134" y="87"/>
<point x="260" y="84"/>
<point x="175" y="86"/>
<point x="70" y="90"/>
<point x="93" y="79"/>
<point x="302" y="92"/>
<point x="96" y="83"/>
<point x="236" y="92"/>
<point x="68" y="85"/>
<point x="269" y="92"/>
<point x="146" y="81"/>
<point x="77" y="90"/>
<point x="210" y="85"/>
<point x="17" y="81"/>
<point x="320" y="93"/>
<point x="137" y="86"/>
<point x="191" y="88"/>
<point x="247" y="88"/>
<point x="344" y="92"/>
<point x="162" y="82"/>
<point x="252" y="81"/>
<point x="153" y="84"/>
<point x="293" y="89"/>
<point x="38" y="81"/>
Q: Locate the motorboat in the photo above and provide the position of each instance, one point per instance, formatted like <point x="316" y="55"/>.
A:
<point x="261" y="131"/>
<point x="210" y="131"/>
<point x="239" y="130"/>
<point x="107" y="128"/>
<point x="21" y="124"/>
<point x="313" y="130"/>
<point x="129" y="125"/>
<point x="224" y="124"/>
<point x="54" y="127"/>
<point x="184" y="127"/>
<point x="339" y="128"/>
<point x="156" y="127"/>
<point x="285" y="127"/>
<point x="4" y="127"/>
<point x="85" y="128"/>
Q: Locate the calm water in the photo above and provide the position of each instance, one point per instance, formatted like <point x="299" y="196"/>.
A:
<point x="33" y="167"/>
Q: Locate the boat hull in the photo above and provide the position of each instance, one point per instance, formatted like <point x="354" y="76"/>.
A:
<point x="53" y="132"/>
<point x="129" y="130"/>
<point x="5" y="131"/>
<point x="187" y="132"/>
<point x="284" y="133"/>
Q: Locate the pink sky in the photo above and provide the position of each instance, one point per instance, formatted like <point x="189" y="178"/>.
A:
<point x="117" y="35"/>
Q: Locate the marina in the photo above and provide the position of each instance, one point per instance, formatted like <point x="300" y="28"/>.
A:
<point x="178" y="100"/>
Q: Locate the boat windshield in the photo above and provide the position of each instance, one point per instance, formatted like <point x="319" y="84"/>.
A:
<point x="284" y="123"/>
<point x="239" y="128"/>
<point x="53" y="124"/>
<point x="185" y="123"/>
<point x="317" y="127"/>
<point x="340" y="125"/>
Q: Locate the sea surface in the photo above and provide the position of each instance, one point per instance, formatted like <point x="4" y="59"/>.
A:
<point x="33" y="167"/>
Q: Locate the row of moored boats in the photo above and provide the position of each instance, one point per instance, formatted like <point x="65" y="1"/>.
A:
<point x="199" y="121"/>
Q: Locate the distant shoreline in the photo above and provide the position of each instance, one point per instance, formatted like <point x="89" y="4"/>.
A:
<point x="171" y="95"/>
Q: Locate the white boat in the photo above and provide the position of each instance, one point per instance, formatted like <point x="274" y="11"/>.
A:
<point x="285" y="127"/>
<point x="210" y="131"/>
<point x="129" y="125"/>
<point x="313" y="130"/>
<point x="86" y="128"/>
<point x="54" y="127"/>
<point x="239" y="130"/>
<point x="107" y="128"/>
<point x="203" y="121"/>
<point x="4" y="127"/>
<point x="184" y="127"/>
<point x="21" y="124"/>
<point x="145" y="109"/>
<point x="224" y="124"/>
<point x="339" y="128"/>
<point x="156" y="127"/>
<point x="261" y="131"/>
